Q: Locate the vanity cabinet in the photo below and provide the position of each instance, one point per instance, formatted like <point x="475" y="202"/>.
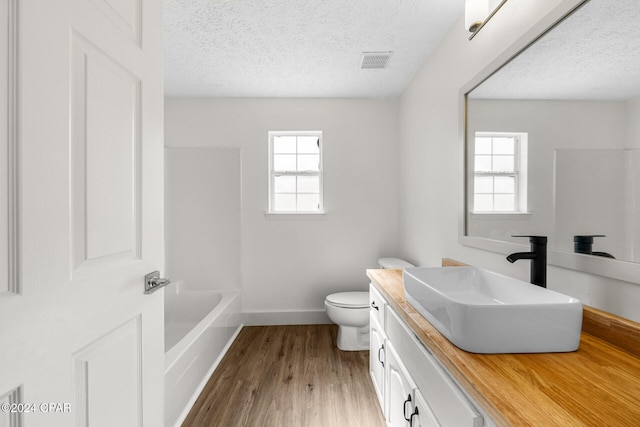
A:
<point x="378" y="305"/>
<point x="399" y="391"/>
<point x="413" y="387"/>
<point x="405" y="403"/>
<point x="377" y="357"/>
<point x="421" y="415"/>
<point x="509" y="385"/>
<point x="443" y="396"/>
<point x="377" y="339"/>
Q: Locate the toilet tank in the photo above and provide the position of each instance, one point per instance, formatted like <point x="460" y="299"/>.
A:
<point x="394" y="263"/>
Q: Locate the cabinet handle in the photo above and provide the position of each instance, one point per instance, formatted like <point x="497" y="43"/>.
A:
<point x="381" y="360"/>
<point x="415" y="412"/>
<point x="404" y="408"/>
<point x="373" y="305"/>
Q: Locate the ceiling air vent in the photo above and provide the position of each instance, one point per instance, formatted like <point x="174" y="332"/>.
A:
<point x="375" y="60"/>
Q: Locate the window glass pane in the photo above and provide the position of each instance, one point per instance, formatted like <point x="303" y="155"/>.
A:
<point x="308" y="162"/>
<point x="284" y="184"/>
<point x="505" y="184"/>
<point x="483" y="163"/>
<point x="497" y="161"/>
<point x="503" y="146"/>
<point x="284" y="144"/>
<point x="483" y="145"/>
<point x="483" y="184"/>
<point x="504" y="202"/>
<point x="284" y="202"/>
<point x="308" y="144"/>
<point x="308" y="202"/>
<point x="309" y="184"/>
<point x="296" y="173"/>
<point x="503" y="164"/>
<point x="483" y="202"/>
<point x="284" y="162"/>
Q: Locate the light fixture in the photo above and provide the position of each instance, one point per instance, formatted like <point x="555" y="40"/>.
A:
<point x="475" y="12"/>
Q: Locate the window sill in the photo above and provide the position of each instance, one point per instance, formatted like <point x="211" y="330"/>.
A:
<point x="295" y="215"/>
<point x="501" y="215"/>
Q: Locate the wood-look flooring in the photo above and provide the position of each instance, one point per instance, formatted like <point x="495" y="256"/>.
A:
<point x="288" y="376"/>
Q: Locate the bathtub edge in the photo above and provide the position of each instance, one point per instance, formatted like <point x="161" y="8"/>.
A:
<point x="205" y="380"/>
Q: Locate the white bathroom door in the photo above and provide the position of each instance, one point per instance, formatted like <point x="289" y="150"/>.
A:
<point x="82" y="159"/>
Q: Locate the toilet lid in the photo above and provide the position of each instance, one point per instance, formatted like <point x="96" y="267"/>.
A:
<point x="394" y="263"/>
<point x="349" y="299"/>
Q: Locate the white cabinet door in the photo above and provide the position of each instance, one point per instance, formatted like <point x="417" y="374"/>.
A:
<point x="399" y="390"/>
<point x="378" y="305"/>
<point x="446" y="399"/>
<point x="422" y="415"/>
<point x="377" y="357"/>
<point x="80" y="340"/>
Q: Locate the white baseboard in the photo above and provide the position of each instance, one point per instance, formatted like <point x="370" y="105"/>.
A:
<point x="264" y="318"/>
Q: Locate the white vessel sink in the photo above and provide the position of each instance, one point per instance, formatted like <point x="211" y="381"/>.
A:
<point x="484" y="312"/>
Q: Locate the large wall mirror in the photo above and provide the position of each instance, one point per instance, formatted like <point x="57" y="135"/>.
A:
<point x="553" y="145"/>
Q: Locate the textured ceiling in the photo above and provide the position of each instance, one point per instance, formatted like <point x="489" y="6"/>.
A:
<point x="294" y="48"/>
<point x="593" y="55"/>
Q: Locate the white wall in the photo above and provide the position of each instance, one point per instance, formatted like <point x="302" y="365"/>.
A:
<point x="633" y="138"/>
<point x="431" y="155"/>
<point x="559" y="132"/>
<point x="202" y="217"/>
<point x="290" y="265"/>
<point x="603" y="199"/>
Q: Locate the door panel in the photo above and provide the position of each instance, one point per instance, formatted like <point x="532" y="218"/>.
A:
<point x="125" y="15"/>
<point x="112" y="359"/>
<point x="8" y="146"/>
<point x="87" y="123"/>
<point x="105" y="169"/>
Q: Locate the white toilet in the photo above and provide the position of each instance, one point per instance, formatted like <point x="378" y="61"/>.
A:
<point x="350" y="311"/>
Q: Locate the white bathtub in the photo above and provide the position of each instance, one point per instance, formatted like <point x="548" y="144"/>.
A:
<point x="199" y="327"/>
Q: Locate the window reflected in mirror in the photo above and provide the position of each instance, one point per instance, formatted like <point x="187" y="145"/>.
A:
<point x="500" y="172"/>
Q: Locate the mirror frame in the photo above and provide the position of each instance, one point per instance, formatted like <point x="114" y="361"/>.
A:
<point x="612" y="268"/>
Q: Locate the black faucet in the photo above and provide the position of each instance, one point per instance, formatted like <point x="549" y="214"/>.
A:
<point x="538" y="257"/>
<point x="583" y="244"/>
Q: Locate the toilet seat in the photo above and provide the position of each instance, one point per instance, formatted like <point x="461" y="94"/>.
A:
<point x="349" y="299"/>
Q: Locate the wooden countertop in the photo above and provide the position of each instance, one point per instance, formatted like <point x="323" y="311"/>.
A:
<point x="597" y="385"/>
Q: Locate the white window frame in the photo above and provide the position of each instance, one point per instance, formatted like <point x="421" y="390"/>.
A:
<point x="520" y="172"/>
<point x="273" y="173"/>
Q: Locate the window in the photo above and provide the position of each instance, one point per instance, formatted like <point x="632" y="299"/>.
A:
<point x="500" y="172"/>
<point x="295" y="172"/>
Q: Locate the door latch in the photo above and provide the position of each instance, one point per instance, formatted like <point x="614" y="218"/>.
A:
<point x="153" y="282"/>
